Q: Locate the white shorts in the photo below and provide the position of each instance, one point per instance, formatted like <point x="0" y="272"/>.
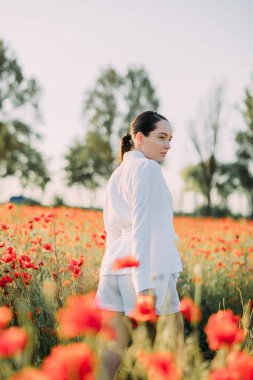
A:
<point x="117" y="293"/>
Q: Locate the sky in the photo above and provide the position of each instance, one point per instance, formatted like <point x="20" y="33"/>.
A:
<point x="187" y="48"/>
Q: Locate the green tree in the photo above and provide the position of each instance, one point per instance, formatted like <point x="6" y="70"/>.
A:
<point x="244" y="151"/>
<point x="109" y="107"/>
<point x="203" y="176"/>
<point x="139" y="95"/>
<point x="19" y="96"/>
<point x="238" y="175"/>
<point x="82" y="159"/>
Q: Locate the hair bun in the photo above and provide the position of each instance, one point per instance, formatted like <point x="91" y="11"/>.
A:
<point x="128" y="136"/>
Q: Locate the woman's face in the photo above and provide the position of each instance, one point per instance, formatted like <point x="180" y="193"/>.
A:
<point x="156" y="145"/>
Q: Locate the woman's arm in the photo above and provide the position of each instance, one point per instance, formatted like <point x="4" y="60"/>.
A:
<point x="147" y="187"/>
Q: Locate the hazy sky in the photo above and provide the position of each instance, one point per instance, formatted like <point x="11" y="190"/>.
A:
<point x="187" y="47"/>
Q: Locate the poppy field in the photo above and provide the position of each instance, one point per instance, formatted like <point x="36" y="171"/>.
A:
<point x="50" y="330"/>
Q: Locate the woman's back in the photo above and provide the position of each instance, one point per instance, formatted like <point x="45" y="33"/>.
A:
<point x="138" y="219"/>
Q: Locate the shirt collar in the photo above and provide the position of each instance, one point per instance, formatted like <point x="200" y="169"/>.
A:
<point x="133" y="153"/>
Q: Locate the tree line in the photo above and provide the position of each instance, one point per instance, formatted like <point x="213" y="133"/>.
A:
<point x="108" y="108"/>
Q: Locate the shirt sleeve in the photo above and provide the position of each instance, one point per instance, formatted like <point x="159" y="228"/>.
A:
<point x="146" y="189"/>
<point x="111" y="235"/>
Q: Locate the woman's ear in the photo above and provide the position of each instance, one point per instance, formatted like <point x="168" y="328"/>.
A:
<point x="138" y="138"/>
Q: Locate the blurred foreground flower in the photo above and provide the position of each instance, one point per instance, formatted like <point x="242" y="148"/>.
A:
<point x="190" y="310"/>
<point x="222" y="329"/>
<point x="240" y="367"/>
<point x="225" y="374"/>
<point x="144" y="309"/>
<point x="125" y="262"/>
<point x="242" y="363"/>
<point x="5" y="316"/>
<point x="12" y="341"/>
<point x="72" y="362"/>
<point x="30" y="374"/>
<point x="80" y="316"/>
<point x="159" y="365"/>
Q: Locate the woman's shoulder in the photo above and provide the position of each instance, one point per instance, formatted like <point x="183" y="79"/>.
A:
<point x="115" y="174"/>
<point x="146" y="168"/>
<point x="136" y="168"/>
<point x="147" y="164"/>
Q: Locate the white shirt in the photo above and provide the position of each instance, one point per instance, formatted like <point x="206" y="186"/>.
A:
<point x="138" y="219"/>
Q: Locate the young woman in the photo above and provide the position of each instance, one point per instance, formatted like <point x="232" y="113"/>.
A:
<point x="138" y="219"/>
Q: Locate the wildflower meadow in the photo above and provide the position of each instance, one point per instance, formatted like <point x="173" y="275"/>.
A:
<point x="51" y="330"/>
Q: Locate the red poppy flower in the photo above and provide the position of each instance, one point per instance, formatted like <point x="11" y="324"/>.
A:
<point x="9" y="255"/>
<point x="190" y="310"/>
<point x="144" y="309"/>
<point x="5" y="280"/>
<point x="26" y="277"/>
<point x="103" y="235"/>
<point x="4" y="226"/>
<point x="36" y="218"/>
<point x="48" y="247"/>
<point x="125" y="262"/>
<point x="72" y="362"/>
<point x="222" y="330"/>
<point x="5" y="316"/>
<point x="160" y="365"/>
<point x="225" y="374"/>
<point x="81" y="316"/>
<point x="74" y="267"/>
<point x="12" y="341"/>
<point x="241" y="362"/>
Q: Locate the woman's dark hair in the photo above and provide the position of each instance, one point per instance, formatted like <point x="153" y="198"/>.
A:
<point x="145" y="123"/>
